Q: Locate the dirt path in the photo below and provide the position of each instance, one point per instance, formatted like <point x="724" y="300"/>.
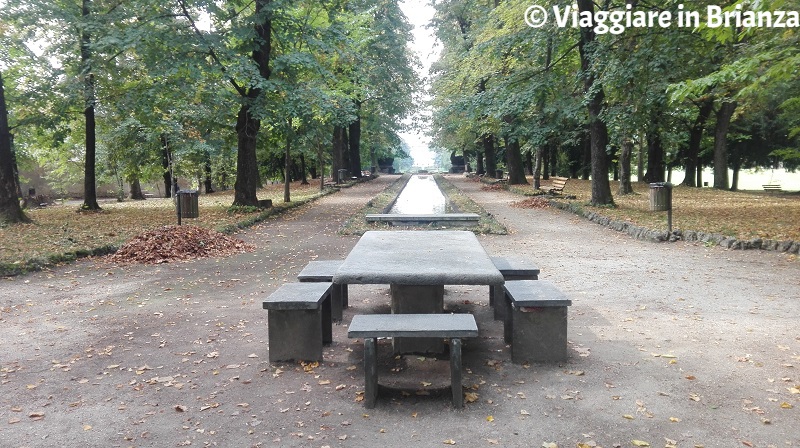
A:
<point x="668" y="342"/>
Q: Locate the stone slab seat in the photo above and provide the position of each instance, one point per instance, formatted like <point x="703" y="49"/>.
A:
<point x="512" y="268"/>
<point x="299" y="321"/>
<point x="446" y="326"/>
<point x="536" y="325"/>
<point x="323" y="271"/>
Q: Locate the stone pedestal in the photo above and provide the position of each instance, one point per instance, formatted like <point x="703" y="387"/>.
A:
<point x="417" y="299"/>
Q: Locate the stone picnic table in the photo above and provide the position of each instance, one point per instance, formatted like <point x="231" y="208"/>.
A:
<point x="417" y="265"/>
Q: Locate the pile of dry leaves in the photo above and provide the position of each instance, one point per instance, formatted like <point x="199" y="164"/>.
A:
<point x="493" y="187"/>
<point x="534" y="202"/>
<point x="174" y="243"/>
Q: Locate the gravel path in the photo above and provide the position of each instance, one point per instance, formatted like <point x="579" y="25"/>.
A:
<point x="669" y="343"/>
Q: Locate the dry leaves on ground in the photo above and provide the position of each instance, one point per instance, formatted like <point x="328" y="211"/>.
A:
<point x="534" y="202"/>
<point x="174" y="243"/>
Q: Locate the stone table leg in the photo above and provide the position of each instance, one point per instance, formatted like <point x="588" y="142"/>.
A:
<point x="417" y="299"/>
<point x="370" y="372"/>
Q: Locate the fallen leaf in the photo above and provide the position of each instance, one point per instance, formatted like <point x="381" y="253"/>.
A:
<point x="786" y="405"/>
<point x="639" y="443"/>
<point x="490" y="419"/>
<point x="549" y="445"/>
<point x="324" y="382"/>
<point x="524" y="412"/>
<point x="628" y="416"/>
<point x="252" y="355"/>
<point x="674" y="419"/>
<point x="425" y="383"/>
<point x="449" y="442"/>
<point x="471" y="397"/>
<point x="180" y="408"/>
<point x="87" y="427"/>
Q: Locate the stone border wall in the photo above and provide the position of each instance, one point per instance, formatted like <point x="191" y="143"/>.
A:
<point x="789" y="246"/>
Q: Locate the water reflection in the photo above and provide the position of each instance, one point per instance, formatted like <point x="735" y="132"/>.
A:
<point x="421" y="195"/>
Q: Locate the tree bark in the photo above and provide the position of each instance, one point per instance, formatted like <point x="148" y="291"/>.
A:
<point x="516" y="172"/>
<point x="166" y="164"/>
<point x="247" y="125"/>
<point x="287" y="165"/>
<point x="10" y="210"/>
<point x="655" y="153"/>
<point x="207" y="173"/>
<point x="724" y="115"/>
<point x="692" y="164"/>
<point x="489" y="153"/>
<point x="479" y="169"/>
<point x="354" y="140"/>
<point x="341" y="154"/>
<point x="136" y="189"/>
<point x="625" y="185"/>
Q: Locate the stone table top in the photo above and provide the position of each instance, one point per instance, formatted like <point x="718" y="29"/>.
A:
<point x="408" y="257"/>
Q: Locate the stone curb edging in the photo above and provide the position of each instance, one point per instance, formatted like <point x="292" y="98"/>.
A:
<point x="788" y="246"/>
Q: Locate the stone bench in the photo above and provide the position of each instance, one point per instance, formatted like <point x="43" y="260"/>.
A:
<point x="449" y="326"/>
<point x="512" y="268"/>
<point x="536" y="324"/>
<point x="299" y="321"/>
<point x="322" y="271"/>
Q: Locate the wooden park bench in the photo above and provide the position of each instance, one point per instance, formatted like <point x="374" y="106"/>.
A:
<point x="323" y="271"/>
<point x="374" y="326"/>
<point x="771" y="187"/>
<point x="536" y="324"/>
<point x="512" y="268"/>
<point x="558" y="184"/>
<point x="299" y="321"/>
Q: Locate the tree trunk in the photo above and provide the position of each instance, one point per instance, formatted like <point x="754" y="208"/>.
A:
<point x="166" y="164"/>
<point x="516" y="172"/>
<point x="724" y="115"/>
<point x="355" y="144"/>
<point x="321" y="161"/>
<point x="488" y="151"/>
<point x="303" y="176"/>
<point x="207" y="173"/>
<point x="537" y="168"/>
<point x="10" y="210"/>
<point x="287" y="165"/>
<point x="655" y="154"/>
<point x="479" y="169"/>
<point x="247" y="125"/>
<point x="692" y="164"/>
<point x="136" y="189"/>
<point x="246" y="183"/>
<point x="625" y="186"/>
<point x="341" y="155"/>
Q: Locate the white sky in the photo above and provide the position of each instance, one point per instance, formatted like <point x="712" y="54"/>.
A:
<point x="419" y="13"/>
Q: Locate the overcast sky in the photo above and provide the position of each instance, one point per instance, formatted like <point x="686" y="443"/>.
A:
<point x="419" y="13"/>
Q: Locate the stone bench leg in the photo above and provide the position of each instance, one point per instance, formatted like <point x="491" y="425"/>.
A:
<point x="326" y="319"/>
<point x="538" y="334"/>
<point x="370" y="372"/>
<point x="296" y="334"/>
<point x="337" y="302"/>
<point x="455" y="373"/>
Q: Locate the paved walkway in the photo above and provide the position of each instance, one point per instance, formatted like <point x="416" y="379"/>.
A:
<point x="669" y="342"/>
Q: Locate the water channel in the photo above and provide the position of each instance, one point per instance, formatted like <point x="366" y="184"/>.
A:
<point x="421" y="195"/>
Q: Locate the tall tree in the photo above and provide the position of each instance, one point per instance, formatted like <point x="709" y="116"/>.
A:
<point x="10" y="210"/>
<point x="601" y="188"/>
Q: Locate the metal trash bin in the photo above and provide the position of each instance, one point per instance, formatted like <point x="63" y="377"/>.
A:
<point x="660" y="196"/>
<point x="188" y="203"/>
<point x="342" y="176"/>
<point x="498" y="174"/>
